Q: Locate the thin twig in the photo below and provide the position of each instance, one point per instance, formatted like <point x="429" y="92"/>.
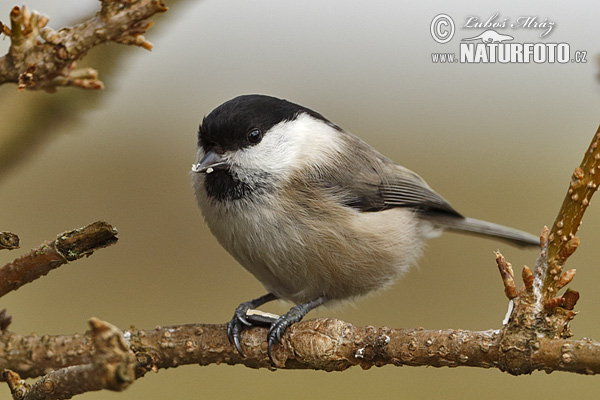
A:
<point x="561" y="240"/>
<point x="68" y="246"/>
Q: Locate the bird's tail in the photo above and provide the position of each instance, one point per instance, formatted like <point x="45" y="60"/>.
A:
<point x="484" y="228"/>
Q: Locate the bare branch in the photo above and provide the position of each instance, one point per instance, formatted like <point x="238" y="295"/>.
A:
<point x="538" y="312"/>
<point x="68" y="246"/>
<point x="561" y="239"/>
<point x="323" y="344"/>
<point x="112" y="368"/>
<point x="41" y="58"/>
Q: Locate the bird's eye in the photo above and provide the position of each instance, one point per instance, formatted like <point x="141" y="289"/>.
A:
<point x="254" y="136"/>
<point x="208" y="144"/>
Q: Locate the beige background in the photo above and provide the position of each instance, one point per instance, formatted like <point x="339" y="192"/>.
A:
<point x="498" y="141"/>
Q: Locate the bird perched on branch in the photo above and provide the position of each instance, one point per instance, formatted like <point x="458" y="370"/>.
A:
<point x="312" y="211"/>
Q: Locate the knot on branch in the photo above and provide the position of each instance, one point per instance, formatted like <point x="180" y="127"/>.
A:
<point x="111" y="367"/>
<point x="112" y="355"/>
<point x="325" y="343"/>
<point x="9" y="241"/>
<point x="516" y="348"/>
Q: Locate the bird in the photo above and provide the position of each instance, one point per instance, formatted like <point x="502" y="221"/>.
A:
<point x="313" y="212"/>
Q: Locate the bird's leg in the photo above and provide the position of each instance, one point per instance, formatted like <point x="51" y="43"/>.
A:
<point x="234" y="327"/>
<point x="295" y="314"/>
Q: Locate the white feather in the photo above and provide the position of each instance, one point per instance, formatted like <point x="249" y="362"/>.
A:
<point x="286" y="148"/>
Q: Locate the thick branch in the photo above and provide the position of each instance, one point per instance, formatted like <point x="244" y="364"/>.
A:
<point x="324" y="344"/>
<point x="68" y="246"/>
<point x="47" y="63"/>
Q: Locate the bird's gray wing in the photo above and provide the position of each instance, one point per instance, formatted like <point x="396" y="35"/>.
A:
<point x="371" y="182"/>
<point x="408" y="193"/>
<point x="401" y="192"/>
<point x="383" y="185"/>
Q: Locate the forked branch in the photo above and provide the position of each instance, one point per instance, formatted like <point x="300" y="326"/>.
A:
<point x="41" y="58"/>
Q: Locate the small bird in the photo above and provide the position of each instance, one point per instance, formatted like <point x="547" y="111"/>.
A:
<point x="313" y="212"/>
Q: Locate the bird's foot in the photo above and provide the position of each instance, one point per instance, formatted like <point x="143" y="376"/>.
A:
<point x="240" y="319"/>
<point x="279" y="327"/>
<point x="234" y="327"/>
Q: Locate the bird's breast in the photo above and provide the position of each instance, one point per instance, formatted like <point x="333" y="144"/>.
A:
<point x="299" y="249"/>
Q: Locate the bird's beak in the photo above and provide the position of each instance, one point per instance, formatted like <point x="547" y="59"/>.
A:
<point x="209" y="163"/>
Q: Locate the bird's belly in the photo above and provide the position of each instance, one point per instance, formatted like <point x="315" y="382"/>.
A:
<point x="302" y="257"/>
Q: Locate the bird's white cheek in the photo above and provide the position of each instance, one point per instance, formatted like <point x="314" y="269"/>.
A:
<point x="266" y="158"/>
<point x="289" y="147"/>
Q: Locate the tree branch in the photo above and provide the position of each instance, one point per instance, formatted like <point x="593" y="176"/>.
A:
<point x="68" y="246"/>
<point x="322" y="344"/>
<point x="112" y="368"/>
<point x="562" y="241"/>
<point x="538" y="314"/>
<point x="41" y="58"/>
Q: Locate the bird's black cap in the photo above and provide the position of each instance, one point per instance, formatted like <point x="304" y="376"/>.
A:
<point x="227" y="126"/>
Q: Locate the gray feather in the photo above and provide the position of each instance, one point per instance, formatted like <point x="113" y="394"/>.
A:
<point x="388" y="185"/>
<point x="484" y="228"/>
<point x="406" y="193"/>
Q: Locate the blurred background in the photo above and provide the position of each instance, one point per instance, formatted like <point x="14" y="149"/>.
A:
<point x="498" y="141"/>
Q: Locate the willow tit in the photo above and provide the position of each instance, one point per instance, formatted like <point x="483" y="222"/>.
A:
<point x="312" y="211"/>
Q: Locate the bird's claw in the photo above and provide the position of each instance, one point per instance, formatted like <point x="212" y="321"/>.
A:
<point x="277" y="324"/>
<point x="234" y="327"/>
<point x="279" y="327"/>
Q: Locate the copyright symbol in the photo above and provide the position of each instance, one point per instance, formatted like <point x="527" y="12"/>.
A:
<point x="442" y="28"/>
